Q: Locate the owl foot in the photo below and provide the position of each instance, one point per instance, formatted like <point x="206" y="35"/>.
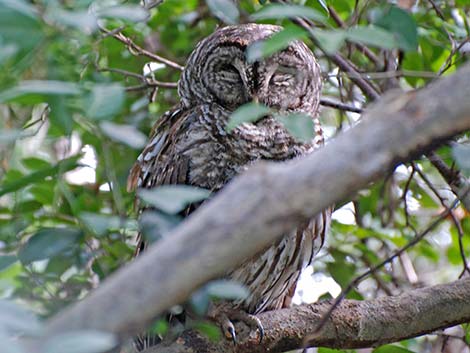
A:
<point x="225" y="317"/>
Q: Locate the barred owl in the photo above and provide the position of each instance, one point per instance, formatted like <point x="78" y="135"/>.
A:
<point x="190" y="145"/>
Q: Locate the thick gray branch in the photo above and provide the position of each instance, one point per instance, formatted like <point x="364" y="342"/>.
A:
<point x="267" y="201"/>
<point x="354" y="324"/>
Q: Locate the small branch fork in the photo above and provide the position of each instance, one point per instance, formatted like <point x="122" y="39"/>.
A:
<point x="147" y="82"/>
<point x="136" y="50"/>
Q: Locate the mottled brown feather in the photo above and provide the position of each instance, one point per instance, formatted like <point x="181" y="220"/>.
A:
<point x="190" y="145"/>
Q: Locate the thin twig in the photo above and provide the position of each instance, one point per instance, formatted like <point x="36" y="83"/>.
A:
<point x="448" y="63"/>
<point x="456" y="222"/>
<point x="339" y="105"/>
<point x="146" y="81"/>
<point x="359" y="279"/>
<point x="367" y="52"/>
<point x="134" y="49"/>
<point x="344" y="64"/>
<point x="453" y="177"/>
<point x="405" y="202"/>
<point x="388" y="74"/>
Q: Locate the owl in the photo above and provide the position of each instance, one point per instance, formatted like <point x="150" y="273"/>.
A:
<point x="190" y="145"/>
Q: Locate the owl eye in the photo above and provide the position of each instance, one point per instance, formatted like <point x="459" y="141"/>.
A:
<point x="283" y="76"/>
<point x="227" y="85"/>
<point x="229" y="74"/>
<point x="286" y="70"/>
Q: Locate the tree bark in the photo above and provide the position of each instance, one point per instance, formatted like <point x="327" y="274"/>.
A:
<point x="267" y="201"/>
<point x="353" y="324"/>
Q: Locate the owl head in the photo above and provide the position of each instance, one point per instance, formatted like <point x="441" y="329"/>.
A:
<point x="218" y="71"/>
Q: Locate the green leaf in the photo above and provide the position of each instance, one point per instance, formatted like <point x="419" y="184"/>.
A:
<point x="324" y="6"/>
<point x="389" y="348"/>
<point x="61" y="115"/>
<point x="225" y="10"/>
<point x="330" y="41"/>
<point x="400" y="23"/>
<point x="246" y="113"/>
<point x="225" y="289"/>
<point x="83" y="20"/>
<point x="155" y="225"/>
<point x="461" y="154"/>
<point x="34" y="163"/>
<point x="372" y="35"/>
<point x="81" y="341"/>
<point x="19" y="25"/>
<point x="208" y="329"/>
<point x="277" y="11"/>
<point x="273" y="44"/>
<point x="160" y="327"/>
<point x="133" y="13"/>
<point x="100" y="223"/>
<point x="105" y="101"/>
<point x="126" y="134"/>
<point x="20" y="6"/>
<point x="299" y="126"/>
<point x="47" y="243"/>
<point x="61" y="167"/>
<point x="39" y="89"/>
<point x="17" y="320"/>
<point x="6" y="261"/>
<point x="200" y="301"/>
<point x="414" y="61"/>
<point x="329" y="350"/>
<point x="173" y="198"/>
<point x="8" y="51"/>
<point x="28" y="206"/>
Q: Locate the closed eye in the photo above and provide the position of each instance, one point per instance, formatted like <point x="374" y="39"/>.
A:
<point x="284" y="76"/>
<point x="229" y="74"/>
<point x="286" y="70"/>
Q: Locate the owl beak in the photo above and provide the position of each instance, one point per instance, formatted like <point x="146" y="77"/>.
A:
<point x="255" y="99"/>
<point x="240" y="66"/>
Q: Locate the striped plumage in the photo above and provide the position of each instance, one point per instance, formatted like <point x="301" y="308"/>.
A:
<point x="190" y="145"/>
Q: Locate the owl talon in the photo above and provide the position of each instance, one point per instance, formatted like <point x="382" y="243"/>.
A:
<point x="252" y="321"/>
<point x="233" y="336"/>
<point x="224" y="319"/>
<point x="228" y="328"/>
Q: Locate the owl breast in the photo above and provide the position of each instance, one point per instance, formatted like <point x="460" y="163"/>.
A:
<point x="216" y="156"/>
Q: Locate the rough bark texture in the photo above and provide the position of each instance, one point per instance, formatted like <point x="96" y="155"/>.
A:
<point x="354" y="324"/>
<point x="237" y="224"/>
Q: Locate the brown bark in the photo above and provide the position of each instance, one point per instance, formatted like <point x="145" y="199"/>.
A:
<point x="354" y="324"/>
<point x="267" y="201"/>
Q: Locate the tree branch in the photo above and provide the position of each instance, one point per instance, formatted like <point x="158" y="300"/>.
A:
<point x="354" y="324"/>
<point x="268" y="201"/>
<point x="457" y="182"/>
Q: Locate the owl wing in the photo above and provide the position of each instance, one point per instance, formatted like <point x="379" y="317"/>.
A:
<point x="157" y="164"/>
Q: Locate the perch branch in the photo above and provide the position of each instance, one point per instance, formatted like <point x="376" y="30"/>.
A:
<point x="354" y="324"/>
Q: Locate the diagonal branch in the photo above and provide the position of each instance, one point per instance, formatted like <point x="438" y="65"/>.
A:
<point x="267" y="201"/>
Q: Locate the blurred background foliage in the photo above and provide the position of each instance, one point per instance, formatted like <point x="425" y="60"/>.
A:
<point x="80" y="88"/>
